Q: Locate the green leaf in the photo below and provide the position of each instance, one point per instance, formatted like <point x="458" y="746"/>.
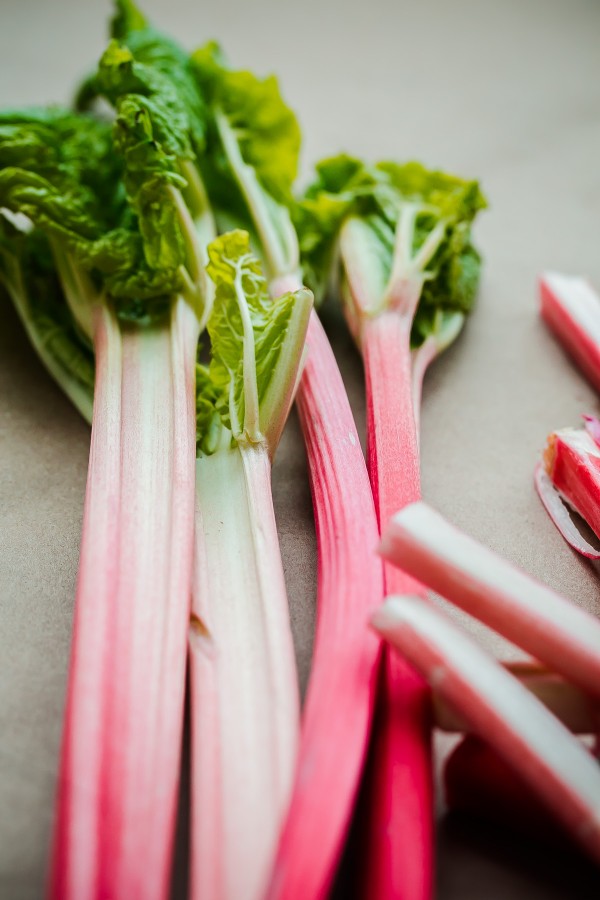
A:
<point x="127" y="18"/>
<point x="265" y="128"/>
<point x="251" y="159"/>
<point x="209" y="425"/>
<point x="78" y="200"/>
<point x="394" y="223"/>
<point x="256" y="342"/>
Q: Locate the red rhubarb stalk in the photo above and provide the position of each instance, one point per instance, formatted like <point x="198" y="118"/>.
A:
<point x="120" y="759"/>
<point x="571" y="308"/>
<point x="400" y="838"/>
<point x="546" y="625"/>
<point x="396" y="240"/>
<point x="341" y="690"/>
<point x="501" y="710"/>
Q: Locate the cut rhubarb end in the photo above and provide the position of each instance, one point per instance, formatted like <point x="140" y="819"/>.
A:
<point x="546" y="625"/>
<point x="571" y="309"/>
<point x="592" y="426"/>
<point x="499" y="709"/>
<point x="573" y="466"/>
<point x="341" y="690"/>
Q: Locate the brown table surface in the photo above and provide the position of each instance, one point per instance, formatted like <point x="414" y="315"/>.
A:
<point x="508" y="92"/>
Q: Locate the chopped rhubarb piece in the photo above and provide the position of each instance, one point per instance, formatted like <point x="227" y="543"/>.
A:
<point x="499" y="709"/>
<point x="571" y="461"/>
<point x="546" y="625"/>
<point x="571" y="308"/>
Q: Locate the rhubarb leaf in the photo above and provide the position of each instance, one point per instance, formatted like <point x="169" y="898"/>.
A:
<point x="408" y="224"/>
<point x="256" y="343"/>
<point x="127" y="19"/>
<point x="209" y="425"/>
<point x="251" y="160"/>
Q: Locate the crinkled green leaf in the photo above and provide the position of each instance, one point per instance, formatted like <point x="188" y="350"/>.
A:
<point x="265" y="127"/>
<point x="209" y="425"/>
<point x="73" y="191"/>
<point x="127" y="18"/>
<point x="74" y="152"/>
<point x="251" y="157"/>
<point x="248" y="331"/>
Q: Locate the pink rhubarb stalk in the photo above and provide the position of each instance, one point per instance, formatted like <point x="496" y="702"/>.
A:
<point x="498" y="708"/>
<point x="531" y="615"/>
<point x="341" y="691"/>
<point x="399" y="841"/>
<point x="571" y="308"/>
<point x="119" y="772"/>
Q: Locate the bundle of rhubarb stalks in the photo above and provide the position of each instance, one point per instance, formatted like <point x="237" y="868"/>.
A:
<point x="167" y="273"/>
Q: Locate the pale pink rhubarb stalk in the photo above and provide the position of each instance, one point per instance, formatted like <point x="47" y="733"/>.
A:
<point x="245" y="703"/>
<point x="569" y="474"/>
<point x="341" y="690"/>
<point x="548" y="758"/>
<point x="571" y="308"/>
<point x="531" y="615"/>
<point x="119" y="772"/>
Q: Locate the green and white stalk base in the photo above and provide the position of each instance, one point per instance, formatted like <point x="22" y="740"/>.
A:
<point x="244" y="691"/>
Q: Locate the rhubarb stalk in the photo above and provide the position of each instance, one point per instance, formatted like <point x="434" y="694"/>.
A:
<point x="246" y="714"/>
<point x="396" y="240"/>
<point x="568" y="477"/>
<point x="531" y="615"/>
<point x="244" y="691"/>
<point x="340" y="698"/>
<point x="126" y="682"/>
<point x="571" y="309"/>
<point x="114" y="211"/>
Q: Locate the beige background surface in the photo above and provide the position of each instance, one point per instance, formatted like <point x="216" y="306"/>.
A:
<point x="508" y="92"/>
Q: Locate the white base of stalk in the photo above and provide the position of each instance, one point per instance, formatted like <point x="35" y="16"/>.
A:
<point x="245" y="702"/>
